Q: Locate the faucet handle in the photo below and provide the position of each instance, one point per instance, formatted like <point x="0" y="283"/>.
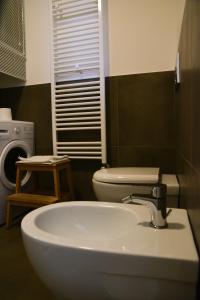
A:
<point x="159" y="191"/>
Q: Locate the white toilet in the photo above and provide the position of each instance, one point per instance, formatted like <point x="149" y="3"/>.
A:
<point x="113" y="184"/>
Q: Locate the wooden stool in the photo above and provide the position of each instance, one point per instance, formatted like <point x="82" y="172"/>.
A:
<point x="36" y="200"/>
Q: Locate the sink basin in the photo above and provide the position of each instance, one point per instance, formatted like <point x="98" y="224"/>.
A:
<point x="89" y="226"/>
<point x="96" y="250"/>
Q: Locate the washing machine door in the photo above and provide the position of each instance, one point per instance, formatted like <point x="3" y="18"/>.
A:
<point x="8" y="158"/>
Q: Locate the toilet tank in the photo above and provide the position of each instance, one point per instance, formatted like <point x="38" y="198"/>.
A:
<point x="172" y="189"/>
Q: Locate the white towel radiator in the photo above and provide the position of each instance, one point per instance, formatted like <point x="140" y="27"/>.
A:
<point x="78" y="92"/>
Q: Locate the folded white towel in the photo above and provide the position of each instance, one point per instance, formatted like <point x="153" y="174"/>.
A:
<point x="42" y="158"/>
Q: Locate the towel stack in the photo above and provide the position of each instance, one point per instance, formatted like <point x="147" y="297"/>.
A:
<point x="42" y="158"/>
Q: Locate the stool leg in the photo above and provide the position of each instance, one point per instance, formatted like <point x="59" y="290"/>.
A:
<point x="8" y="215"/>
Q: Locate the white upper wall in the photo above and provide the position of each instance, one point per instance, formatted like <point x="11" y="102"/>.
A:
<point x="37" y="36"/>
<point x="142" y="37"/>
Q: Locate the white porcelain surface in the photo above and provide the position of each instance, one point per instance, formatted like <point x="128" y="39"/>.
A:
<point x="111" y="192"/>
<point x="92" y="250"/>
<point x="115" y="192"/>
<point x="127" y="175"/>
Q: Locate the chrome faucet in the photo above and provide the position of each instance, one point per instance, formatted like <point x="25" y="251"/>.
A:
<point x="156" y="203"/>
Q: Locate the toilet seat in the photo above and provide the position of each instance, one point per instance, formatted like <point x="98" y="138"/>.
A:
<point x="133" y="175"/>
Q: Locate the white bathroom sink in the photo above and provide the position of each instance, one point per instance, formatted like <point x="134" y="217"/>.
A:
<point x="90" y="225"/>
<point x="110" y="248"/>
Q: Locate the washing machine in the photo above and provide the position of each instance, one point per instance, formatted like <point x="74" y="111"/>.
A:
<point x="16" y="139"/>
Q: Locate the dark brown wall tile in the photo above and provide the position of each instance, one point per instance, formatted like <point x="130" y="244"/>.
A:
<point x="187" y="116"/>
<point x="32" y="103"/>
<point x="184" y="116"/>
<point x="148" y="157"/>
<point x="146" y="112"/>
<point x="112" y="117"/>
<point x="189" y="180"/>
<point x="113" y="156"/>
<point x="82" y="176"/>
<point x="140" y="117"/>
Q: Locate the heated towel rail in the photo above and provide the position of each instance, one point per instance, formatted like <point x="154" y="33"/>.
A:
<point x="78" y="92"/>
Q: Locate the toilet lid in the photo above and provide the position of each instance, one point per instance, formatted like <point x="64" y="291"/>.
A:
<point x="128" y="175"/>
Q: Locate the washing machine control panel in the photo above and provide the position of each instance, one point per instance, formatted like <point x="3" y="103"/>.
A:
<point x="22" y="131"/>
<point x="17" y="130"/>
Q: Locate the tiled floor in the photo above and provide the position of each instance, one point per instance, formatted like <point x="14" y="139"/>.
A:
<point x="17" y="279"/>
